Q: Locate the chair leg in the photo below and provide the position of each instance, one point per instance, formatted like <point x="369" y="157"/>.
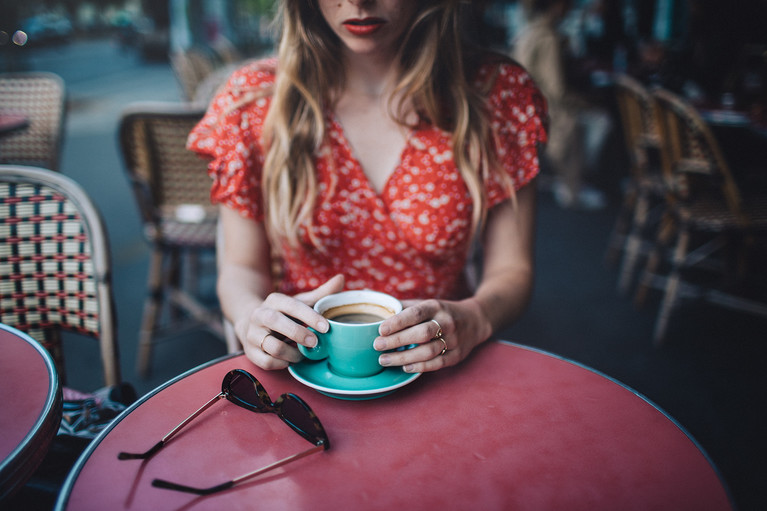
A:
<point x="622" y="227"/>
<point x="152" y="310"/>
<point x="665" y="233"/>
<point x="175" y="276"/>
<point x="633" y="245"/>
<point x="232" y="342"/>
<point x="672" y="288"/>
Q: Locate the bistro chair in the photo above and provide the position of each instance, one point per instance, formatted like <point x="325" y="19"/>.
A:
<point x="55" y="269"/>
<point x="191" y="66"/>
<point x="172" y="190"/>
<point x="717" y="230"/>
<point x="643" y="197"/>
<point x="226" y="52"/>
<point x="210" y="85"/>
<point x="40" y="97"/>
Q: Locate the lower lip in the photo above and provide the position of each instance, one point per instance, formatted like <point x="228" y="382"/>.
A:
<point x="363" y="29"/>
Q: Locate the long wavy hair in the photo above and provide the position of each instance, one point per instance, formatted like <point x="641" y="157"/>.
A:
<point x="436" y="67"/>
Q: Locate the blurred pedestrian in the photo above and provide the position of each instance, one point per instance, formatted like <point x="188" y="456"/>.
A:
<point x="578" y="129"/>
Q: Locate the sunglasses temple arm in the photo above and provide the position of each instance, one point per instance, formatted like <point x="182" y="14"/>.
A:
<point x="189" y="419"/>
<point x="277" y="464"/>
<point x="161" y="483"/>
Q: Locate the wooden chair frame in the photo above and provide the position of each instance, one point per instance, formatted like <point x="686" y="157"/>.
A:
<point x="709" y="217"/>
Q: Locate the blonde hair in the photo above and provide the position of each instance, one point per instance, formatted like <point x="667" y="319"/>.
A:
<point x="434" y="77"/>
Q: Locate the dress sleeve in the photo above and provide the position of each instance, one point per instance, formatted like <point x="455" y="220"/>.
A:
<point x="518" y="119"/>
<point x="230" y="135"/>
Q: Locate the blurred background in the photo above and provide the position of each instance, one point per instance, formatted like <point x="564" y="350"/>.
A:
<point x="708" y="374"/>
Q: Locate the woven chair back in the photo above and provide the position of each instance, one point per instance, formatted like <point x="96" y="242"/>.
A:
<point x="55" y="270"/>
<point x="692" y="160"/>
<point x="637" y="114"/>
<point x="191" y="66"/>
<point x="165" y="174"/>
<point x="41" y="98"/>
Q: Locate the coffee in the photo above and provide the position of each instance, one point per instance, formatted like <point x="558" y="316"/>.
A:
<point x="354" y="318"/>
<point x="358" y="313"/>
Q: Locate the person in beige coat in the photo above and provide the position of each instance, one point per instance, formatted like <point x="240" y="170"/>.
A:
<point x="577" y="129"/>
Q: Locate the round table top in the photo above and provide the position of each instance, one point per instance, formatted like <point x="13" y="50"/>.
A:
<point x="10" y="122"/>
<point x="509" y="428"/>
<point x="30" y="406"/>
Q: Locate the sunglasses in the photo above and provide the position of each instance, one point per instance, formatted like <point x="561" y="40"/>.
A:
<point x="243" y="389"/>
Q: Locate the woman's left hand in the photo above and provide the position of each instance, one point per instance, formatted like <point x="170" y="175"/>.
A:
<point x="443" y="332"/>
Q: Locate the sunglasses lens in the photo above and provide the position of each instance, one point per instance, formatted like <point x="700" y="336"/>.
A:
<point x="297" y="414"/>
<point x="244" y="390"/>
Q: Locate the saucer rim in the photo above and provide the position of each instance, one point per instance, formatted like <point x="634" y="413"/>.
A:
<point x="362" y="392"/>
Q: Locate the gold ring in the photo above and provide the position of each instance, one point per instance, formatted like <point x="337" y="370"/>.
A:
<point x="261" y="346"/>
<point x="444" y="345"/>
<point x="439" y="329"/>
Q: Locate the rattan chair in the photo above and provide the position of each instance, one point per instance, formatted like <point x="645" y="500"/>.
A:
<point x="717" y="230"/>
<point x="41" y="98"/>
<point x="55" y="269"/>
<point x="172" y="189"/>
<point x="644" y="194"/>
<point x="191" y="67"/>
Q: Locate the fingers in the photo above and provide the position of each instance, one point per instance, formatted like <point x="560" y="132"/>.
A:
<point x="290" y="318"/>
<point x="414" y="325"/>
<point x="333" y="285"/>
<point x="270" y="333"/>
<point x="422" y="337"/>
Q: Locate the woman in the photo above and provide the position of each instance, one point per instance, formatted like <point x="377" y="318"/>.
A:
<point x="339" y="156"/>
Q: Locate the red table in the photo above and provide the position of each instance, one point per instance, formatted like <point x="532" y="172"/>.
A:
<point x="510" y="428"/>
<point x="30" y="407"/>
<point x="11" y="122"/>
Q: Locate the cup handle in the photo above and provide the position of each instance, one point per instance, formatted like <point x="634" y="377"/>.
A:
<point x="318" y="352"/>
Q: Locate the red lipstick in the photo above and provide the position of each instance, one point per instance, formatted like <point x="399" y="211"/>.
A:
<point x="365" y="26"/>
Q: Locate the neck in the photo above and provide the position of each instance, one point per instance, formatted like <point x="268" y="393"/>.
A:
<point x="368" y="75"/>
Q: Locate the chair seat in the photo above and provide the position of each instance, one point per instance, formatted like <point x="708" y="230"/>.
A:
<point x="712" y="214"/>
<point x="653" y="184"/>
<point x="186" y="234"/>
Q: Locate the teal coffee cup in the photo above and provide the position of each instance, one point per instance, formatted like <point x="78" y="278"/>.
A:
<point x="354" y="318"/>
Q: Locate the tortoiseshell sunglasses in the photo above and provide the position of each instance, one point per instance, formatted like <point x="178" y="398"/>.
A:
<point x="243" y="389"/>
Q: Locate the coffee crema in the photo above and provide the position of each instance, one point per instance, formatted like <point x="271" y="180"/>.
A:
<point x="358" y="313"/>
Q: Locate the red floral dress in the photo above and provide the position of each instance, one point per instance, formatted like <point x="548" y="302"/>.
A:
<point x="412" y="240"/>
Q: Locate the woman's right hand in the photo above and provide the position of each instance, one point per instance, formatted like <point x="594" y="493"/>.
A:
<point x="270" y="332"/>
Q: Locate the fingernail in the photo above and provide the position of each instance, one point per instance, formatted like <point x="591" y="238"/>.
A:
<point x="323" y="327"/>
<point x="378" y="344"/>
<point x="384" y="360"/>
<point x="310" y="341"/>
<point x="384" y="329"/>
<point x="408" y="369"/>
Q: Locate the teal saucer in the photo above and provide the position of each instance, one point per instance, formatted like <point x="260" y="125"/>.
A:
<point x="318" y="376"/>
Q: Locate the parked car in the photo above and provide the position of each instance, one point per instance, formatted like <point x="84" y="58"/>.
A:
<point x="47" y="28"/>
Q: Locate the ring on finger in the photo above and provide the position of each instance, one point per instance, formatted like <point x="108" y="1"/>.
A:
<point x="261" y="346"/>
<point x="439" y="329"/>
<point x="444" y="345"/>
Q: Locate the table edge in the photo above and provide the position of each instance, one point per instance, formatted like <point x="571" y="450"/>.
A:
<point x="68" y="485"/>
<point x="53" y="401"/>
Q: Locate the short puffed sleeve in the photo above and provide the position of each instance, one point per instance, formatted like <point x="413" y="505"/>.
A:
<point x="518" y="119"/>
<point x="230" y="135"/>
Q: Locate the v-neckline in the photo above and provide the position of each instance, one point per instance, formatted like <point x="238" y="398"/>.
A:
<point x="344" y="140"/>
